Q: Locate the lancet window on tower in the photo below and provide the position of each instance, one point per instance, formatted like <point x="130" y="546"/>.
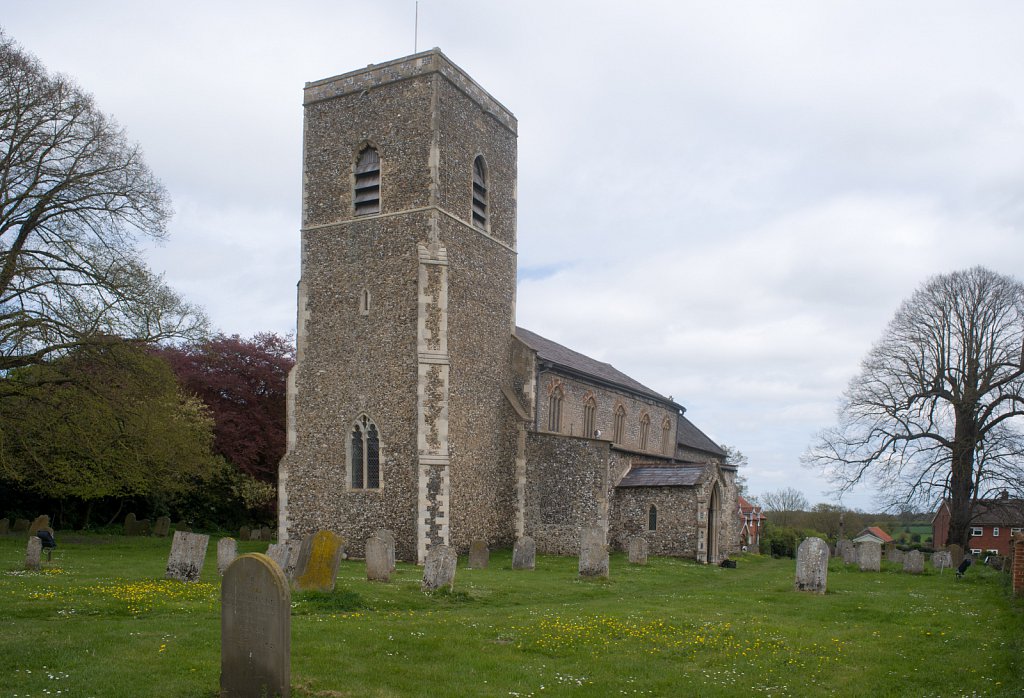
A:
<point x="366" y="197"/>
<point x="364" y="450"/>
<point x="480" y="192"/>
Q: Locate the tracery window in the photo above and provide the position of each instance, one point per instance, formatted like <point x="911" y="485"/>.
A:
<point x="364" y="451"/>
<point x="555" y="410"/>
<point x="366" y="197"/>
<point x="589" y="421"/>
<point x="619" y="425"/>
<point x="480" y="192"/>
<point x="645" y="429"/>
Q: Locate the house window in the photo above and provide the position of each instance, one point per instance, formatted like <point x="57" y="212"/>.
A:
<point x="364" y="452"/>
<point x="366" y="198"/>
<point x="645" y="428"/>
<point x="555" y="410"/>
<point x="480" y="193"/>
<point x="619" y="425"/>
<point x="1016" y="531"/>
<point x="589" y="412"/>
<point x="652" y="518"/>
<point x="976" y="531"/>
<point x="975" y="551"/>
<point x="666" y="437"/>
<point x="995" y="532"/>
<point x="990" y="551"/>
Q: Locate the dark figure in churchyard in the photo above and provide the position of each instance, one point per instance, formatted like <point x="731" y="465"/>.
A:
<point x="48" y="542"/>
<point x="962" y="569"/>
<point x="730" y="564"/>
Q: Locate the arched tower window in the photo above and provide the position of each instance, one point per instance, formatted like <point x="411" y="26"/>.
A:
<point x="366" y="197"/>
<point x="645" y="430"/>
<point x="555" y="410"/>
<point x="364" y="455"/>
<point x="666" y="437"/>
<point x="480" y="192"/>
<point x="619" y="425"/>
<point x="652" y="518"/>
<point x="589" y="417"/>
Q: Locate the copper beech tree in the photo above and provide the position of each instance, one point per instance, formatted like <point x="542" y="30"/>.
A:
<point x="934" y="411"/>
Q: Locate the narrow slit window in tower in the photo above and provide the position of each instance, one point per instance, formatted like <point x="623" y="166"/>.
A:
<point x="480" y="193"/>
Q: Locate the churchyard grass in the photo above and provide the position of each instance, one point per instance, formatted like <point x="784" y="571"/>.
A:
<point x="99" y="620"/>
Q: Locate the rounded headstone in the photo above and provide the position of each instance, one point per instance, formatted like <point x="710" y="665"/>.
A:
<point x="812" y="566"/>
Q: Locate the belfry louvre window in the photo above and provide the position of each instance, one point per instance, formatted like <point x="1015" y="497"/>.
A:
<point x="589" y="412"/>
<point x="619" y="425"/>
<point x="555" y="411"/>
<point x="364" y="461"/>
<point x="366" y="197"/>
<point x="480" y="193"/>
<point x="645" y="430"/>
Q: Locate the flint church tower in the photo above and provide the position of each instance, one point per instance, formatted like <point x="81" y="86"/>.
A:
<point x="406" y="305"/>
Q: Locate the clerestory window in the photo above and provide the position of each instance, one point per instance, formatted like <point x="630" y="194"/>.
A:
<point x="555" y="410"/>
<point x="645" y="430"/>
<point x="619" y="425"/>
<point x="666" y="437"/>
<point x="364" y="450"/>
<point x="366" y="197"/>
<point x="589" y="417"/>
<point x="480" y="193"/>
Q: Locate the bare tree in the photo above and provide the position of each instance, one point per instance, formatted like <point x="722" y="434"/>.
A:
<point x="786" y="499"/>
<point x="76" y="199"/>
<point x="733" y="456"/>
<point x="932" y="412"/>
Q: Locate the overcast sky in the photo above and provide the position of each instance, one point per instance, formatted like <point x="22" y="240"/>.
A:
<point x="725" y="200"/>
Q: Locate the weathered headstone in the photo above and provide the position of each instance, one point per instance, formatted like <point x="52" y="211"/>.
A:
<point x="227" y="551"/>
<point x="129" y="525"/>
<point x="33" y="554"/>
<point x="869" y="556"/>
<point x="593" y="552"/>
<point x="941" y="559"/>
<point x="21" y="525"/>
<point x="812" y="565"/>
<point x="913" y="562"/>
<point x="188" y="552"/>
<point x="254" y="534"/>
<point x="378" y="565"/>
<point x="524" y="554"/>
<point x="638" y="550"/>
<point x="162" y="527"/>
<point x="41" y="523"/>
<point x="389" y="538"/>
<point x="956" y="554"/>
<point x="319" y="557"/>
<point x="439" y="568"/>
<point x="244" y="533"/>
<point x="479" y="555"/>
<point x="278" y="552"/>
<point x="266" y="533"/>
<point x="5" y="526"/>
<point x="847" y="551"/>
<point x="294" y="548"/>
<point x="143" y="527"/>
<point x="255" y="629"/>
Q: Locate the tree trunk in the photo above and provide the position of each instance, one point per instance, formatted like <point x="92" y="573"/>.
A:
<point x="961" y="482"/>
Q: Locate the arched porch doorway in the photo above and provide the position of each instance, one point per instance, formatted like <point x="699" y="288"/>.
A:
<point x="711" y="545"/>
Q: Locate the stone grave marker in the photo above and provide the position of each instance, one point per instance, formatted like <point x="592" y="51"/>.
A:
<point x="317" y="568"/>
<point x="33" y="554"/>
<point x="941" y="559"/>
<point x="188" y="552"/>
<point x="439" y="568"/>
<point x="40" y="523"/>
<point x="956" y="555"/>
<point x="183" y="526"/>
<point x="254" y="534"/>
<point x="895" y="555"/>
<point x="255" y="629"/>
<point x="869" y="556"/>
<point x="294" y="547"/>
<point x="162" y="527"/>
<point x="913" y="562"/>
<point x="388" y="537"/>
<point x="244" y="533"/>
<point x="593" y="552"/>
<point x="524" y="554"/>
<point x="278" y="552"/>
<point x="129" y="525"/>
<point x="812" y="565"/>
<point x="227" y="551"/>
<point x="378" y="564"/>
<point x="479" y="555"/>
<point x="21" y="525"/>
<point x="143" y="527"/>
<point x="638" y="550"/>
<point x="5" y="526"/>
<point x="266" y="534"/>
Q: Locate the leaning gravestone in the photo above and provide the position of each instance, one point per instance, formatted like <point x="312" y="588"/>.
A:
<point x="956" y="555"/>
<point x="5" y="526"/>
<point x="439" y="568"/>
<point x="319" y="557"/>
<point x="913" y="562"/>
<point x="21" y="525"/>
<point x="378" y="564"/>
<point x="593" y="552"/>
<point x="524" y="554"/>
<point x="188" y="552"/>
<point x="638" y="550"/>
<point x="33" y="554"/>
<point x="255" y="629"/>
<point x="941" y="559"/>
<point x="162" y="527"/>
<point x="227" y="551"/>
<point x="129" y="525"/>
<point x="388" y="537"/>
<point x="812" y="565"/>
<point x="869" y="556"/>
<point x="479" y="555"/>
<point x="41" y="523"/>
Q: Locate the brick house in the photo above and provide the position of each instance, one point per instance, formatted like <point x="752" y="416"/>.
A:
<point x="752" y="518"/>
<point x="992" y="523"/>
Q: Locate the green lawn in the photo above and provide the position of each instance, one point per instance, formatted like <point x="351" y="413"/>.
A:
<point x="100" y="621"/>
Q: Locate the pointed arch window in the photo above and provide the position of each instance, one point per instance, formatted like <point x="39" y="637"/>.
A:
<point x="619" y="425"/>
<point x="589" y="417"/>
<point x="652" y="518"/>
<point x="364" y="455"/>
<point x="666" y="437"/>
<point x="366" y="197"/>
<point x="480" y="192"/>
<point x="555" y="410"/>
<point x="645" y="430"/>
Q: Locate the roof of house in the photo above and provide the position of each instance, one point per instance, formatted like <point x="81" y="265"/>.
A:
<point x="998" y="511"/>
<point x="687" y="434"/>
<point x="747" y="508"/>
<point x="564" y="357"/>
<point x="876" y="532"/>
<point x="650" y="475"/>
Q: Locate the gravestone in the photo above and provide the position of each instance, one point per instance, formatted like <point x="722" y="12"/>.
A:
<point x="913" y="562"/>
<point x="847" y="551"/>
<point x="896" y="555"/>
<point x="439" y="568"/>
<point x="479" y="555"/>
<point x="162" y="527"/>
<point x="941" y="559"/>
<point x="266" y="534"/>
<point x="183" y="526"/>
<point x="638" y="550"/>
<point x="255" y="629"/>
<point x="956" y="555"/>
<point x="21" y="525"/>
<point x="254" y="534"/>
<point x="593" y="552"/>
<point x="33" y="554"/>
<point x="317" y="568"/>
<point x="278" y="552"/>
<point x="5" y="526"/>
<point x="41" y="523"/>
<point x="389" y="538"/>
<point x="227" y="551"/>
<point x="188" y="552"/>
<point x="378" y="563"/>
<point x="244" y="533"/>
<point x="143" y="527"/>
<point x="129" y="525"/>
<point x="524" y="554"/>
<point x="869" y="556"/>
<point x="294" y="547"/>
<point x="812" y="565"/>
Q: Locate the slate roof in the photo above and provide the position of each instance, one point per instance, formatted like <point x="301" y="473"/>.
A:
<point x="564" y="357"/>
<point x="687" y="434"/>
<point x="663" y="475"/>
<point x="998" y="512"/>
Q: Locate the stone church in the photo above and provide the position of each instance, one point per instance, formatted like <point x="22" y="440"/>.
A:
<point x="416" y="404"/>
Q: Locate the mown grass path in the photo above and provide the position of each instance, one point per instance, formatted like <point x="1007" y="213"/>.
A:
<point x="100" y="621"/>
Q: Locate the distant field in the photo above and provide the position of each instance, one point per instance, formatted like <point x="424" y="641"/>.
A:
<point x="100" y="621"/>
